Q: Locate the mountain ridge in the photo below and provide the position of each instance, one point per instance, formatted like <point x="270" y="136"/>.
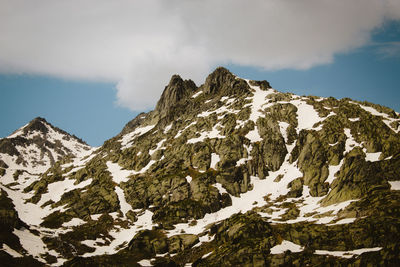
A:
<point x="231" y="172"/>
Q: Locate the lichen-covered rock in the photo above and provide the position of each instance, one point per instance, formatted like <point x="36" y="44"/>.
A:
<point x="355" y="179"/>
<point x="176" y="91"/>
<point x="178" y="243"/>
<point x="296" y="188"/>
<point x="312" y="160"/>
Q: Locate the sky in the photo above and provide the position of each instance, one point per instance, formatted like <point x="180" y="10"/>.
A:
<point x="90" y="66"/>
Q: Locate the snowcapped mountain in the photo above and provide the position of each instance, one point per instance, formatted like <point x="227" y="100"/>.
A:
<point x="24" y="156"/>
<point x="38" y="145"/>
<point x="230" y="173"/>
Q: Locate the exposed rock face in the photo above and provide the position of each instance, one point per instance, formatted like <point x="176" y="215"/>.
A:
<point x="177" y="90"/>
<point x="230" y="173"/>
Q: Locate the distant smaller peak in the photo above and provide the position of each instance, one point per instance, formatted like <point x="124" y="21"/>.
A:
<point x="37" y="124"/>
<point x="39" y="119"/>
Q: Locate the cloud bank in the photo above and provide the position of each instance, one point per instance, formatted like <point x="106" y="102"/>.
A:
<point x="140" y="44"/>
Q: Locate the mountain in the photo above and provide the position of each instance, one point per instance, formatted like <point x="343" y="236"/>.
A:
<point x="24" y="156"/>
<point x="229" y="173"/>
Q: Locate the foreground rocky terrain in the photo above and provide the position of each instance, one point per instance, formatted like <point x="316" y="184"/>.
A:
<point x="230" y="173"/>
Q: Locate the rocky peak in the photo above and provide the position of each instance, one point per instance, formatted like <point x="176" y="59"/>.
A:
<point x="39" y="143"/>
<point x="37" y="124"/>
<point x="218" y="79"/>
<point x="176" y="90"/>
<point x="222" y="82"/>
<point x="43" y="127"/>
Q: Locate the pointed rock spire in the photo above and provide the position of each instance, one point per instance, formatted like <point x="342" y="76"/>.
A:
<point x="176" y="90"/>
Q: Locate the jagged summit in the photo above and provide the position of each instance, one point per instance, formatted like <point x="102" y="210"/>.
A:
<point x="221" y="82"/>
<point x="183" y="96"/>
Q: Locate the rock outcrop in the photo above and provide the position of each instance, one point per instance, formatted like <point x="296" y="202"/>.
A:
<point x="177" y="90"/>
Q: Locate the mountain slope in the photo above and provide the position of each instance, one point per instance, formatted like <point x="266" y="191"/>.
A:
<point x="24" y="156"/>
<point x="230" y="173"/>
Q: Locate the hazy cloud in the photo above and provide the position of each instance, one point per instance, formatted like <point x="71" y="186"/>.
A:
<point x="140" y="44"/>
<point x="388" y="49"/>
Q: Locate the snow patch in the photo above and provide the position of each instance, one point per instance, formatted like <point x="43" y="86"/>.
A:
<point x="205" y="114"/>
<point x="253" y="135"/>
<point x="127" y="138"/>
<point x="214" y="160"/>
<point x="350" y="142"/>
<point x="73" y="222"/>
<point x="122" y="235"/>
<point x="394" y="185"/>
<point x="10" y="251"/>
<point x="197" y="94"/>
<point x="118" y="175"/>
<point x="125" y="207"/>
<point x="283" y="128"/>
<point x="207" y="254"/>
<point x="57" y="189"/>
<point x="286" y="245"/>
<point x="332" y="171"/>
<point x="371" y="110"/>
<point x="31" y="243"/>
<point x="159" y="144"/>
<point x="221" y="190"/>
<point x="214" y="133"/>
<point x="372" y="156"/>
<point x="167" y="128"/>
<point x="95" y="217"/>
<point x="307" y="116"/>
<point x="346" y="254"/>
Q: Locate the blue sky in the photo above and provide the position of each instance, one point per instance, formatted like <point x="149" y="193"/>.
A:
<point x="86" y="109"/>
<point x="90" y="78"/>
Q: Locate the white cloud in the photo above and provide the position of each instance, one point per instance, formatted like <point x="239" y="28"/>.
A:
<point x="140" y="44"/>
